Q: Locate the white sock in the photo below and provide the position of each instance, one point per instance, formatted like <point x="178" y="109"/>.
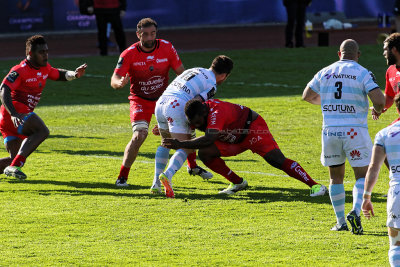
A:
<point x="358" y="191"/>
<point x="161" y="160"/>
<point x="175" y="163"/>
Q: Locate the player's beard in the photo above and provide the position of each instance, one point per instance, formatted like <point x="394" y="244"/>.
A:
<point x="391" y="59"/>
<point x="149" y="44"/>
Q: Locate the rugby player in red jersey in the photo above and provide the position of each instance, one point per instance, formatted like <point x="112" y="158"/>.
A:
<point x="22" y="129"/>
<point x="146" y="65"/>
<point x="231" y="129"/>
<point x="391" y="51"/>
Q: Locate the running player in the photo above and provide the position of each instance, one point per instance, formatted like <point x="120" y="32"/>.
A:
<point x="231" y="129"/>
<point x="146" y="65"/>
<point x="386" y="145"/>
<point x="197" y="83"/>
<point x="22" y="129"/>
<point x="341" y="89"/>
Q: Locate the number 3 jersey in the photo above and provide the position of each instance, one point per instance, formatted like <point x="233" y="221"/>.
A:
<point x="343" y="87"/>
<point x="193" y="82"/>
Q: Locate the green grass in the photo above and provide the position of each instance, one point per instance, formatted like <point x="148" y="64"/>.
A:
<point x="68" y="211"/>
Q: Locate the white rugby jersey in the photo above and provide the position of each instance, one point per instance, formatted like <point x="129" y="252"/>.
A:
<point x="343" y="87"/>
<point x="192" y="82"/>
<point x="389" y="139"/>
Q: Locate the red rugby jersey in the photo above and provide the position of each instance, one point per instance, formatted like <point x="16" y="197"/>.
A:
<point x="27" y="82"/>
<point x="228" y="118"/>
<point x="148" y="71"/>
<point x="392" y="81"/>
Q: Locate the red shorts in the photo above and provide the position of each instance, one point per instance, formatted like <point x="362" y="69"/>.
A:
<point x="259" y="140"/>
<point x="7" y="127"/>
<point x="141" y="109"/>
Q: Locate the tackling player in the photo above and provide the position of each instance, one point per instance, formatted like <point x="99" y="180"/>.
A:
<point x="197" y="83"/>
<point x="22" y="129"/>
<point x="146" y="65"/>
<point x="341" y="89"/>
<point x="231" y="129"/>
<point x="386" y="145"/>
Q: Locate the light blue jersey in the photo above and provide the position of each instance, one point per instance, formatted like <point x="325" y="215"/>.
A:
<point x="192" y="82"/>
<point x="389" y="139"/>
<point x="343" y="87"/>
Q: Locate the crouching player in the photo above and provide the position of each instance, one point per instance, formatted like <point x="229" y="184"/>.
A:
<point x="231" y="129"/>
<point x="387" y="145"/>
<point x="23" y="131"/>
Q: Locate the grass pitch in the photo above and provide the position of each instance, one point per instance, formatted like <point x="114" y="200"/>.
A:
<point x="68" y="211"/>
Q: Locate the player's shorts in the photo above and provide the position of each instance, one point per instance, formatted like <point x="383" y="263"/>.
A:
<point x="170" y="115"/>
<point x="7" y="128"/>
<point x="259" y="140"/>
<point x="339" y="143"/>
<point x="393" y="207"/>
<point x="141" y="109"/>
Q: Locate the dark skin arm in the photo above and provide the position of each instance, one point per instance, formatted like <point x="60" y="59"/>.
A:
<point x="6" y="100"/>
<point x="200" y="142"/>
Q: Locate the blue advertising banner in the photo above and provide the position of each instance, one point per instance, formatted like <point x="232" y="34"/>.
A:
<point x="63" y="15"/>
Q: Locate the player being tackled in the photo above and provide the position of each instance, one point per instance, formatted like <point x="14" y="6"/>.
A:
<point x="231" y="129"/>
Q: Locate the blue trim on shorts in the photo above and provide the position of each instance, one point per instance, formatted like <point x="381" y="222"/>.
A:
<point x="10" y="138"/>
<point x="24" y="119"/>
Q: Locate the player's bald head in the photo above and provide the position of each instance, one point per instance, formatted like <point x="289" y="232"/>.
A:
<point x="349" y="49"/>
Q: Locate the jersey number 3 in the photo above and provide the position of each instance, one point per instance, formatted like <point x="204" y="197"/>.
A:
<point x="338" y="94"/>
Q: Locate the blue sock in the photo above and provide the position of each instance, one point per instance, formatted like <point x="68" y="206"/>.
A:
<point x="161" y="160"/>
<point x="175" y="163"/>
<point x="358" y="191"/>
<point x="394" y="256"/>
<point x="337" y="195"/>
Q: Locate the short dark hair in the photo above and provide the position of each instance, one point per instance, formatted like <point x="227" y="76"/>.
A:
<point x="33" y="41"/>
<point x="397" y="101"/>
<point x="146" y="22"/>
<point x="222" y="64"/>
<point x="192" y="108"/>
<point x="393" y="40"/>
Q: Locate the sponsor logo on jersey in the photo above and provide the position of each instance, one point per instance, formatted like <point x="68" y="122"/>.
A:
<point x="352" y="133"/>
<point x="395" y="169"/>
<point x="139" y="63"/>
<point x="150" y="58"/>
<point x="45" y="76"/>
<point x="331" y="156"/>
<point x="161" y="60"/>
<point x="372" y="76"/>
<point x="355" y="155"/>
<point x="213" y="118"/>
<point x="39" y="74"/>
<point x="339" y="108"/>
<point x="294" y="164"/>
<point x="31" y="80"/>
<point x="120" y="62"/>
<point x="12" y="76"/>
<point x="340" y="76"/>
<point x="394" y="134"/>
<point x="152" y="85"/>
<point x="255" y="140"/>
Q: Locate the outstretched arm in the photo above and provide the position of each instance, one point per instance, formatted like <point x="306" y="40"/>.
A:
<point x="203" y="141"/>
<point x="69" y="75"/>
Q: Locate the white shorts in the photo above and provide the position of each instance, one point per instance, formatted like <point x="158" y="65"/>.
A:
<point x="339" y="143"/>
<point x="393" y="207"/>
<point x="170" y="115"/>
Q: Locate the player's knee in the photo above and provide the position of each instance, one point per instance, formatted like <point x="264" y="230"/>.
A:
<point x="45" y="132"/>
<point x="139" y="135"/>
<point x="205" y="155"/>
<point x="394" y="236"/>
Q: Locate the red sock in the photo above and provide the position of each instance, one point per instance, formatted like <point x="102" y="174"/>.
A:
<point x="191" y="160"/>
<point x="218" y="165"/>
<point x="124" y="172"/>
<point x="293" y="169"/>
<point x="18" y="161"/>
